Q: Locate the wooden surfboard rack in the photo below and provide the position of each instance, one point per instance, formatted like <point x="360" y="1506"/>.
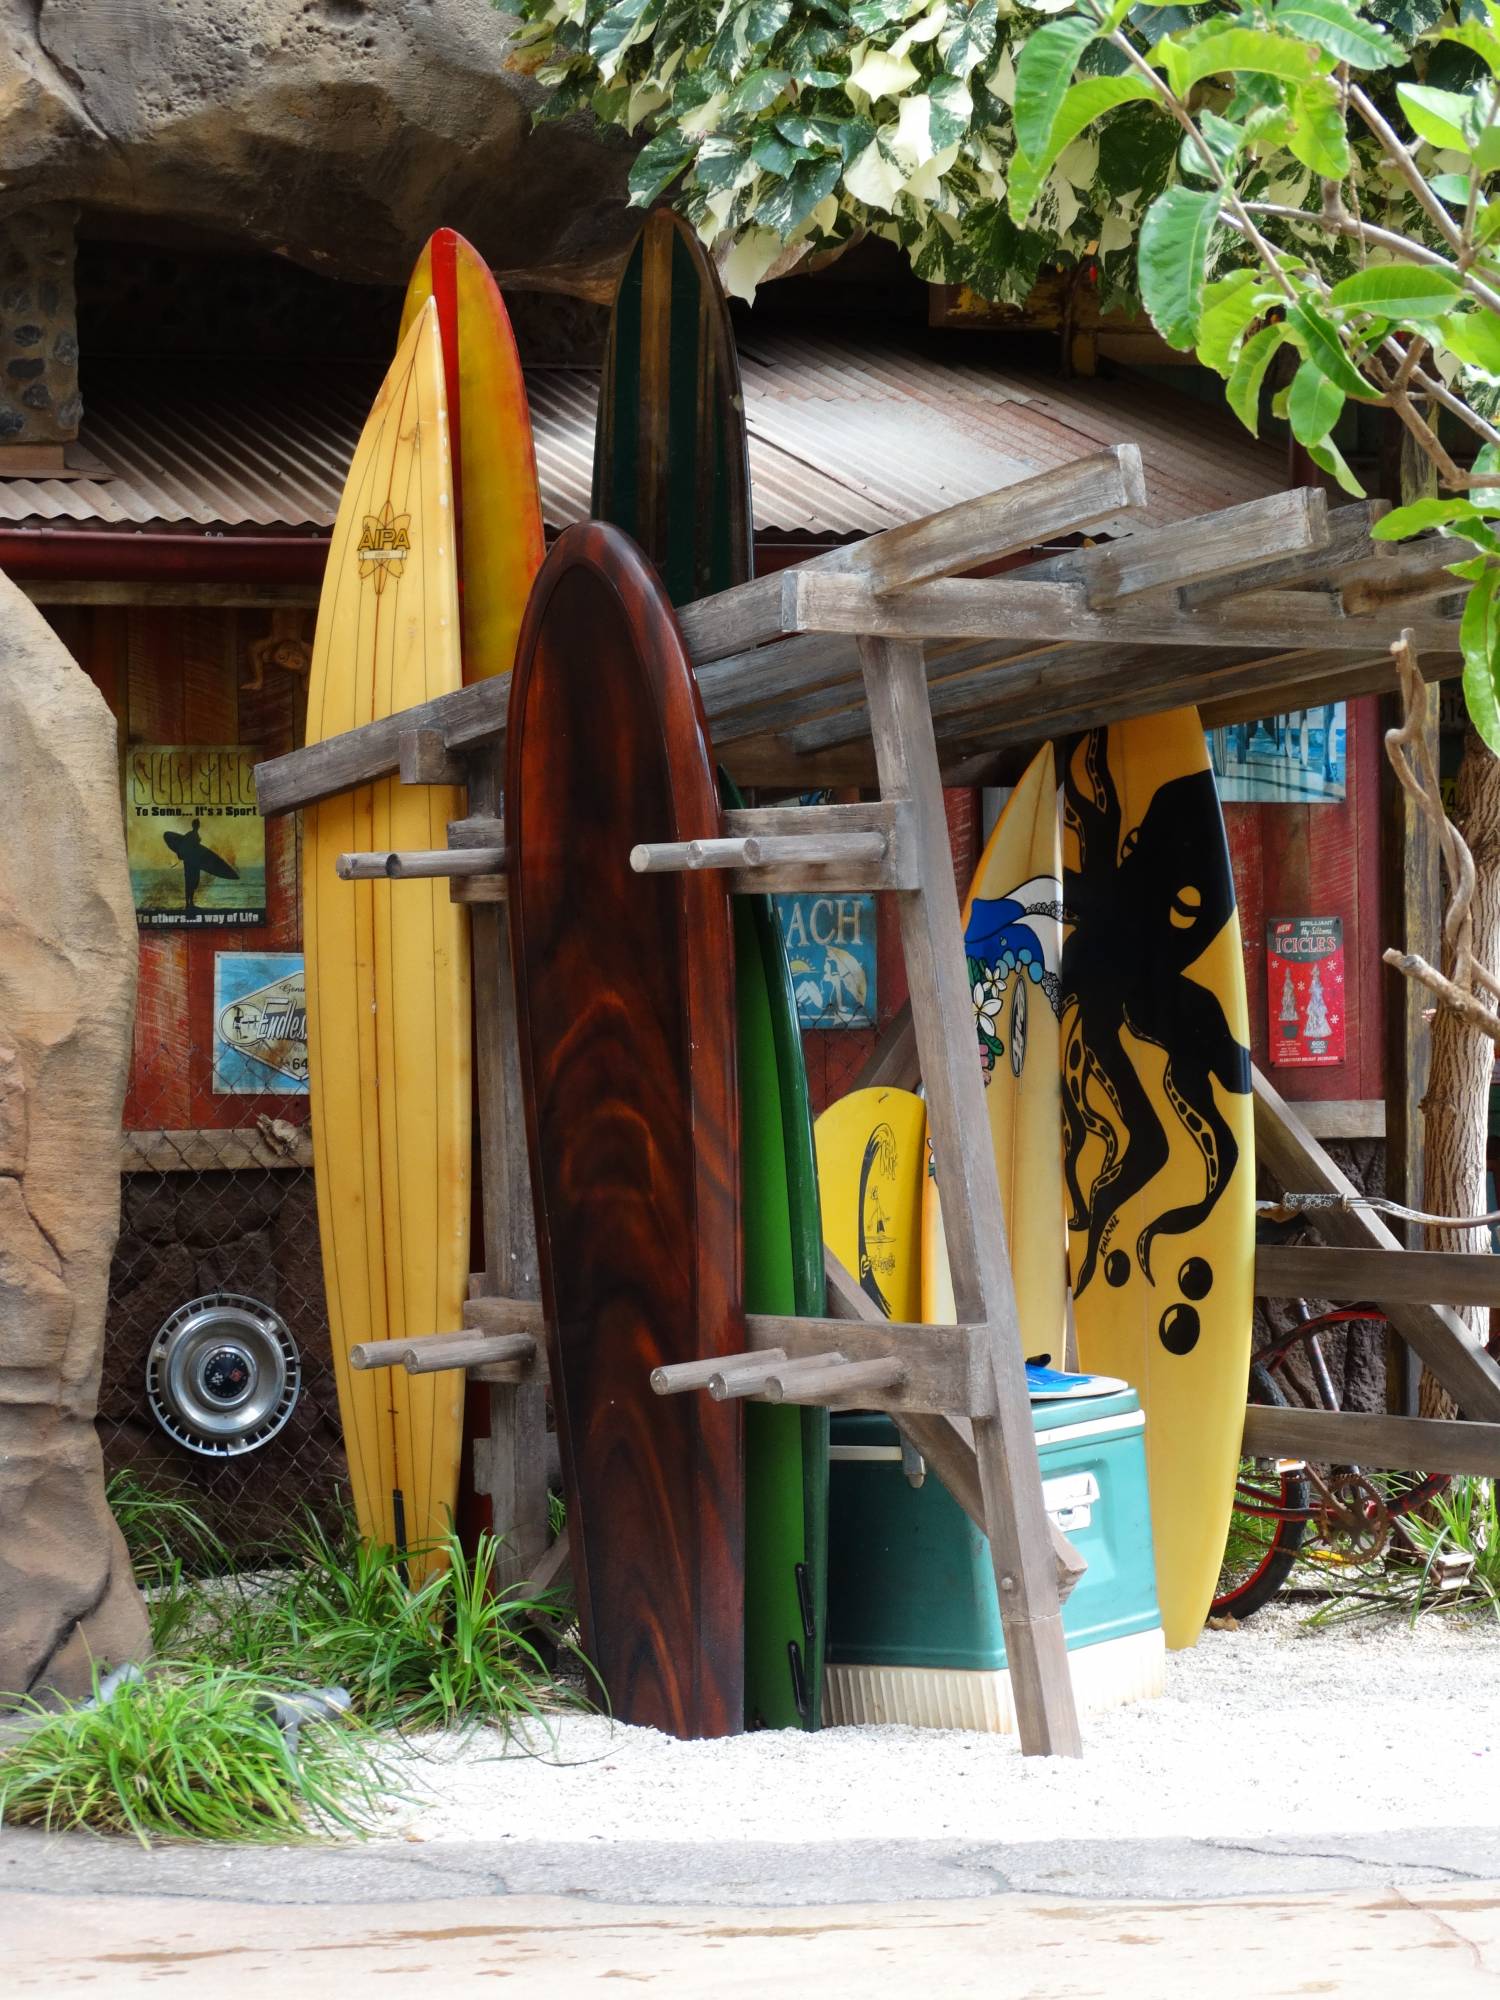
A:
<point x="874" y="652"/>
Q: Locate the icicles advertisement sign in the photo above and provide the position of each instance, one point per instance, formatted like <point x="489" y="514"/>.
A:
<point x="1305" y="989"/>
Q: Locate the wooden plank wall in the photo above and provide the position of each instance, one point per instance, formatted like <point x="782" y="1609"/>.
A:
<point x="175" y="676"/>
<point x="1314" y="861"/>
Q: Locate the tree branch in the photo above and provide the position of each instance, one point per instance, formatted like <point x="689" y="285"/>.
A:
<point x="1388" y="239"/>
<point x="1408" y="169"/>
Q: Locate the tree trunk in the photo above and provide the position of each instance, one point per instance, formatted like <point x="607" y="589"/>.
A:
<point x="1455" y="1110"/>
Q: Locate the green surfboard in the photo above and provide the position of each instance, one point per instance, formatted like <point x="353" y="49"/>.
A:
<point x="671" y="467"/>
<point x="786" y="1448"/>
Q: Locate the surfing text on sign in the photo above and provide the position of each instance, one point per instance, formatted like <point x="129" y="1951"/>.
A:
<point x="1305" y="991"/>
<point x="830" y="947"/>
<point x="194" y="837"/>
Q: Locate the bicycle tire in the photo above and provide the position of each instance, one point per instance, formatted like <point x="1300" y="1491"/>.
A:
<point x="1248" y="1594"/>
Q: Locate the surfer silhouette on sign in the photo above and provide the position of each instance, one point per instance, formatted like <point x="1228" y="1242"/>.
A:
<point x="198" y="861"/>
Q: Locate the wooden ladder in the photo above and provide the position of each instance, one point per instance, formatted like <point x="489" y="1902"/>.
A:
<point x="959" y="1392"/>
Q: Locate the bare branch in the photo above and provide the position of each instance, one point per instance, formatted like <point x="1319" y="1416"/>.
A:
<point x="1410" y="753"/>
<point x="1465" y="1004"/>
<point x="1408" y="169"/>
<point x="1388" y="239"/>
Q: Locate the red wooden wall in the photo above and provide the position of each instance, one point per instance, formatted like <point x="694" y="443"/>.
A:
<point x="174" y="676"/>
<point x="1316" y="861"/>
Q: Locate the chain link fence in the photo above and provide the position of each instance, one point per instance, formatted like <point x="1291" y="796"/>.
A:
<point x="218" y="1382"/>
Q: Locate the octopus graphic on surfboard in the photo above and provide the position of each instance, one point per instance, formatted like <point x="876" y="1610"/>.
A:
<point x="1158" y="1124"/>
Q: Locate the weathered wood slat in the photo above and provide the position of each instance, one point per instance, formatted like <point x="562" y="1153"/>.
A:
<point x="1222" y="544"/>
<point x="1293" y="1156"/>
<point x="1348" y="546"/>
<point x="1010" y="607"/>
<point x="508" y="1315"/>
<point x="1067" y="499"/>
<point x="510" y="1465"/>
<point x="322" y="770"/>
<point x="946" y="1366"/>
<point x="1394" y="1444"/>
<point x="1316" y="1271"/>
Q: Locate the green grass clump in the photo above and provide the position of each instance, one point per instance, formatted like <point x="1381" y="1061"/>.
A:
<point x="192" y="1750"/>
<point x="166" y="1537"/>
<point x="195" y="1754"/>
<point x="419" y="1656"/>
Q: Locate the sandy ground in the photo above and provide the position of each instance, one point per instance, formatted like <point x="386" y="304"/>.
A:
<point x="1269" y="1729"/>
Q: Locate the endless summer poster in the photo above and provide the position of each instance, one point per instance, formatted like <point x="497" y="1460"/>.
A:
<point x="196" y="841"/>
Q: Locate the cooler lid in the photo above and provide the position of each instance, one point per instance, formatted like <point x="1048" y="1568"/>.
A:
<point x="1075" y="1410"/>
<point x="874" y="1427"/>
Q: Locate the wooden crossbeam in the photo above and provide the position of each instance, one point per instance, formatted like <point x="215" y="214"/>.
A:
<point x="1011" y="607"/>
<point x="1395" y="1444"/>
<point x="1220" y="546"/>
<point x="1293" y="1156"/>
<point x="1069" y="499"/>
<point x="1318" y="1271"/>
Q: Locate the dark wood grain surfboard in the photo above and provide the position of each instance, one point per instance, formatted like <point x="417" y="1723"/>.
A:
<point x="670" y="455"/>
<point x="625" y="999"/>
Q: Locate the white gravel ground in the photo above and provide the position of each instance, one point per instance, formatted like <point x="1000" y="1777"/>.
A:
<point x="1272" y="1728"/>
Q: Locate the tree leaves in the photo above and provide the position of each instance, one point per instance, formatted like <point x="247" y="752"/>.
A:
<point x="1479" y="642"/>
<point x="659" y="161"/>
<point x="1249" y="373"/>
<point x="1221" y="48"/>
<point x="1319" y="341"/>
<point x="1043" y="73"/>
<point x="1437" y="115"/>
<point x="795" y="198"/>
<point x="1229" y="305"/>
<point x="1081" y="104"/>
<point x="969" y="39"/>
<point x="1175" y="240"/>
<point x="1338" y="28"/>
<point x="1314" y="405"/>
<point x="1398" y="291"/>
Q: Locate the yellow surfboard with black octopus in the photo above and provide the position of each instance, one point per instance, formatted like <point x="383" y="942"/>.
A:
<point x="1159" y="1142"/>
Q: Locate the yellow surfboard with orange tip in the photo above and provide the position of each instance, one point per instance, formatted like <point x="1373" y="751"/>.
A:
<point x="500" y="538"/>
<point x="388" y="969"/>
<point x="871" y="1148"/>
<point x="1012" y="919"/>
<point x="387" y="963"/>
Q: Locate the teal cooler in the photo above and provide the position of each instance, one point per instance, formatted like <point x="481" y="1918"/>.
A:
<point x="914" y="1630"/>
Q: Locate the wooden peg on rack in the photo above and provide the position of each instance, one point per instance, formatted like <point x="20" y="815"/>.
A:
<point x="674" y="857"/>
<point x="749" y="1374"/>
<point x="682" y="1375"/>
<point x="422" y="863"/>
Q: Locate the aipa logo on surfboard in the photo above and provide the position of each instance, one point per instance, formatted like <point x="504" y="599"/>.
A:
<point x="384" y="545"/>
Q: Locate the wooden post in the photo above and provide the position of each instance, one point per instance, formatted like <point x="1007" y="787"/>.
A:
<point x="512" y="1468"/>
<point x="983" y="1289"/>
<point x="1411" y="911"/>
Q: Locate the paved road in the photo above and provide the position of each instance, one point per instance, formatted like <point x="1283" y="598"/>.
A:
<point x="1409" y="1915"/>
<point x="1401" y="1943"/>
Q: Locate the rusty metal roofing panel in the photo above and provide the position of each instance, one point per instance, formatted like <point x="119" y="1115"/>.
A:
<point x="846" y="437"/>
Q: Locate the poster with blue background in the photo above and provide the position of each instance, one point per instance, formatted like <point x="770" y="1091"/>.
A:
<point x="830" y="946"/>
<point x="260" y="1023"/>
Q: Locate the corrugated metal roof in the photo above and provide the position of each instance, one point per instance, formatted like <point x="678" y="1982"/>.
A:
<point x="845" y="438"/>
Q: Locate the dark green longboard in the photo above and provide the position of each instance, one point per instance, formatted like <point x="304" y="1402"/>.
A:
<point x="670" y="459"/>
<point x="671" y="468"/>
